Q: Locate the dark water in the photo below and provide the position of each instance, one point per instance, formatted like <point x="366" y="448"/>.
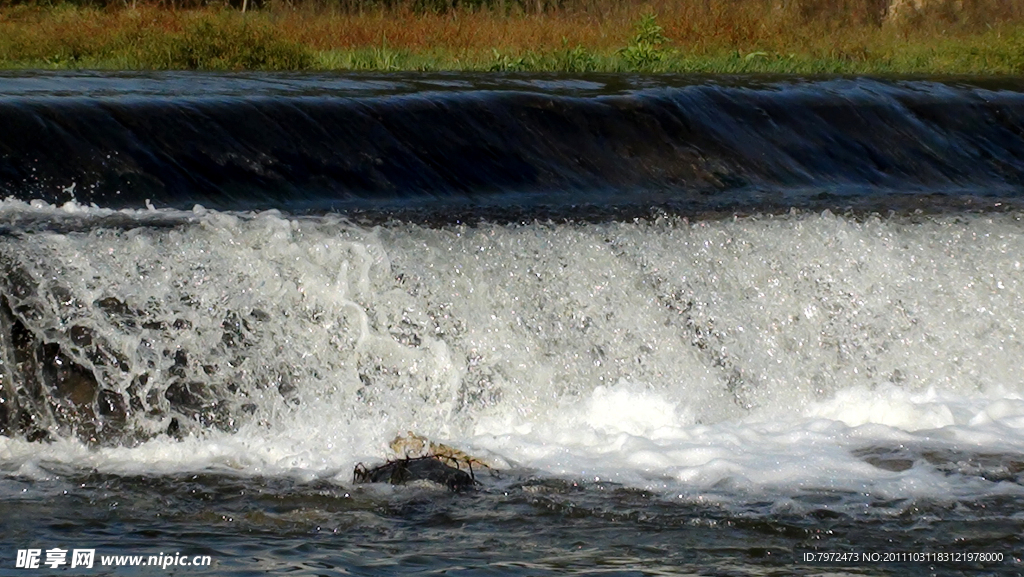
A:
<point x="523" y="146"/>
<point x="711" y="326"/>
<point x="527" y="527"/>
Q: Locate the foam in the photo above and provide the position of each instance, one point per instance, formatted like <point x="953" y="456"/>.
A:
<point x="757" y="355"/>
<point x="763" y="452"/>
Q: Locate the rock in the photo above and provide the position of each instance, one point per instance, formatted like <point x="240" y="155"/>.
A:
<point x="412" y="445"/>
<point x="402" y="471"/>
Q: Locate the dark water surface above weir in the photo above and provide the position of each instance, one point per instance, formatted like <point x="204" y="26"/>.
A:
<point x="693" y="325"/>
<point x="495" y="145"/>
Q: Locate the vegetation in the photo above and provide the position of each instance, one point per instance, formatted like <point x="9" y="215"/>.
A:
<point x="695" y="36"/>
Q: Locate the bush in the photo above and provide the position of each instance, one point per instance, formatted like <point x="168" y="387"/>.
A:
<point x="646" y="50"/>
<point x="230" y="43"/>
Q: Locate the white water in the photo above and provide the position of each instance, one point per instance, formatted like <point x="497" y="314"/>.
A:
<point x="699" y="359"/>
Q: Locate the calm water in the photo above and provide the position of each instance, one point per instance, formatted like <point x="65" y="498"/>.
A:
<point x="699" y="326"/>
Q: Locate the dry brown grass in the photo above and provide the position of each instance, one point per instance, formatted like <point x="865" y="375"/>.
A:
<point x="457" y="31"/>
<point x="699" y="25"/>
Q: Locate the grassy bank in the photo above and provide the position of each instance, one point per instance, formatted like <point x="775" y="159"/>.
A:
<point x="714" y="36"/>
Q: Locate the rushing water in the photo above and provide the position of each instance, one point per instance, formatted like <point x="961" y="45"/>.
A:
<point x="699" y="326"/>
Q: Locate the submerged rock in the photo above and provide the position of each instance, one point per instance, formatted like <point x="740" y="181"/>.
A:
<point x="402" y="471"/>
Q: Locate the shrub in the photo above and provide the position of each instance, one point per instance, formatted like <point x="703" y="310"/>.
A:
<point x="646" y="50"/>
<point x="228" y="42"/>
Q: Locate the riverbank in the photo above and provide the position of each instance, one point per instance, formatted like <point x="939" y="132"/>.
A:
<point x="742" y="36"/>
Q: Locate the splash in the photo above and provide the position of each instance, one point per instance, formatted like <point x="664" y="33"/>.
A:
<point x="755" y="352"/>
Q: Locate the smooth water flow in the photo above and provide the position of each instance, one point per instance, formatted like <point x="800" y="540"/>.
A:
<point x="445" y="147"/>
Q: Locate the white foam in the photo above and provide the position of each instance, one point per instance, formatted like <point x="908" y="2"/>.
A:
<point x="750" y="355"/>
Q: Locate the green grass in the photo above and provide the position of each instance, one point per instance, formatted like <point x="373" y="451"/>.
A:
<point x="186" y="54"/>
